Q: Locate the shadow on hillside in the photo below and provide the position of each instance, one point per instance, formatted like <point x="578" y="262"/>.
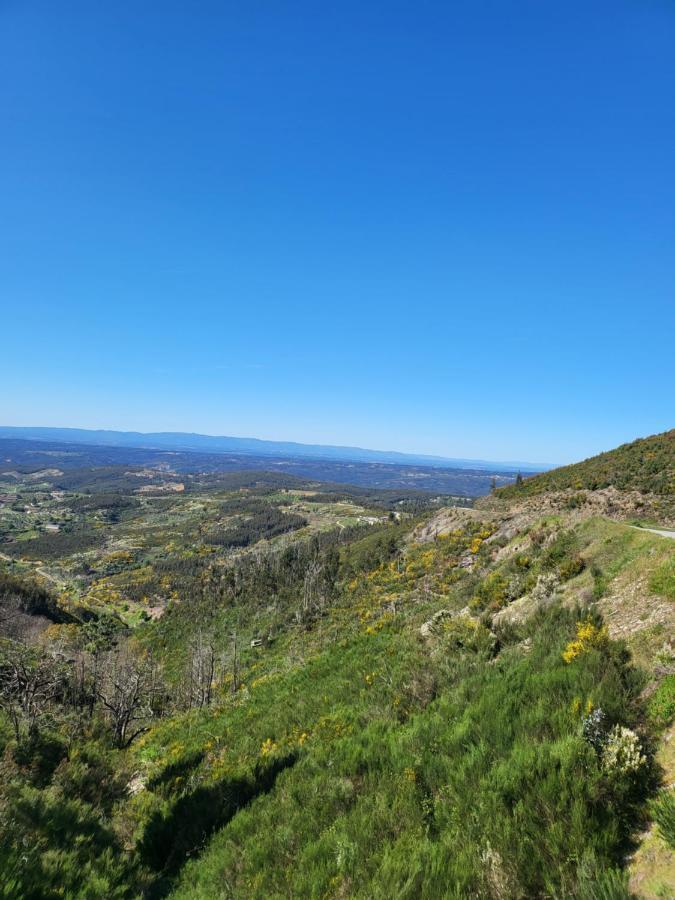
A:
<point x="165" y="780"/>
<point x="172" y="838"/>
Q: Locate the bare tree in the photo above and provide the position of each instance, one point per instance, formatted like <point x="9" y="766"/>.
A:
<point x="9" y="610"/>
<point x="203" y="667"/>
<point x="318" y="584"/>
<point x="235" y="663"/>
<point x="130" y="692"/>
<point x="312" y="598"/>
<point x="22" y="617"/>
<point x="29" y="683"/>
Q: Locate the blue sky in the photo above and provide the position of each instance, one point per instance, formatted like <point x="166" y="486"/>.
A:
<point x="443" y="227"/>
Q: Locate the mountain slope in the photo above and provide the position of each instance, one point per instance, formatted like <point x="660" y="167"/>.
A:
<point x="647" y="465"/>
<point x="433" y="707"/>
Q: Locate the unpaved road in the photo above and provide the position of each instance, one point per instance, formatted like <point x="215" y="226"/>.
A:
<point x="45" y="574"/>
<point x="662" y="531"/>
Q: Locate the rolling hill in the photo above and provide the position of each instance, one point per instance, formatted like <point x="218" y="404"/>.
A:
<point x="646" y="465"/>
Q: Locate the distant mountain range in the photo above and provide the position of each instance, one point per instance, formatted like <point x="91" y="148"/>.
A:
<point x="177" y="440"/>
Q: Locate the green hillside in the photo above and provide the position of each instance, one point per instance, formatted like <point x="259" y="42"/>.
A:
<point x="647" y="464"/>
<point x="353" y="707"/>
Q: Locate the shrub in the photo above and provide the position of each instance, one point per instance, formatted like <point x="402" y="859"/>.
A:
<point x="622" y="753"/>
<point x="644" y="465"/>
<point x="604" y="884"/>
<point x="563" y="547"/>
<point x="465" y="633"/>
<point x="599" y="582"/>
<point x="54" y="845"/>
<point x="491" y="593"/>
<point x="545" y="587"/>
<point x="490" y="790"/>
<point x="664" y="815"/>
<point x="570" y="568"/>
<point x="575" y="501"/>
<point x="594" y="729"/>
<point x="589" y="637"/>
<point x="661" y="709"/>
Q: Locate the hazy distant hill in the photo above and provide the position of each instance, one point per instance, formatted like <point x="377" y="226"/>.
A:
<point x="177" y="440"/>
<point x="647" y="464"/>
<point x="32" y="455"/>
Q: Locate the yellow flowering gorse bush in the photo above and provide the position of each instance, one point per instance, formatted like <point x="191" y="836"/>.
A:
<point x="589" y="637"/>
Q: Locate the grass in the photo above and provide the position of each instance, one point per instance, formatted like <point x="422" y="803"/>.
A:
<point x="485" y="782"/>
<point x="663" y="580"/>
<point x="664" y="815"/>
<point x="662" y="704"/>
<point x="652" y="868"/>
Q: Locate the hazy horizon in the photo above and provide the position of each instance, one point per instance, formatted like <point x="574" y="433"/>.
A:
<point x="537" y="465"/>
<point x="448" y="455"/>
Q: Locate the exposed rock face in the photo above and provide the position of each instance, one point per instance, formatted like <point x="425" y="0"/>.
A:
<point x="427" y="628"/>
<point x="630" y="607"/>
<point x="521" y="609"/>
<point x="136" y="784"/>
<point x="580" y="504"/>
<point x="445" y="520"/>
<point x="466" y="561"/>
<point x="514" y="516"/>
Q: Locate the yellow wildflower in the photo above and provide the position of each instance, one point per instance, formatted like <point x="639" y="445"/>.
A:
<point x="589" y="637"/>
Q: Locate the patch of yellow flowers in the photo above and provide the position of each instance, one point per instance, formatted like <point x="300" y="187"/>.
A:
<point x="589" y="637"/>
<point x="268" y="747"/>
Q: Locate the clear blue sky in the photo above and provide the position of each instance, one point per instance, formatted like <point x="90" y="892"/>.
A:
<point x="443" y="227"/>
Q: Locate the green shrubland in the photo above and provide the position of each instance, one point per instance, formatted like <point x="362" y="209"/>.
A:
<point x="647" y="464"/>
<point x="488" y="781"/>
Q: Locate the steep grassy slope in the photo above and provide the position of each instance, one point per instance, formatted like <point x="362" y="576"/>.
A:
<point x="647" y="465"/>
<point x="405" y="763"/>
<point x="443" y="804"/>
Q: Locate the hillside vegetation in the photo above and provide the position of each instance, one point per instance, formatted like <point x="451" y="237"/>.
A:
<point x="386" y="702"/>
<point x="646" y="465"/>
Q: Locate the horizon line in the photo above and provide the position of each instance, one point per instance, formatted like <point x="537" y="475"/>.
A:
<point x="307" y="445"/>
